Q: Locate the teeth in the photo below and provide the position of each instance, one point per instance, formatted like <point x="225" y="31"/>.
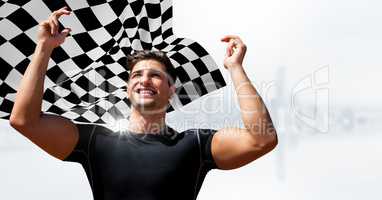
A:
<point x="146" y="92"/>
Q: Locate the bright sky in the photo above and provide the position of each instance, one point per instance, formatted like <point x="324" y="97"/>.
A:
<point x="301" y="36"/>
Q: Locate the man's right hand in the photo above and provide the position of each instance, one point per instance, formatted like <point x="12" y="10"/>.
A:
<point x="54" y="134"/>
<point x="48" y="33"/>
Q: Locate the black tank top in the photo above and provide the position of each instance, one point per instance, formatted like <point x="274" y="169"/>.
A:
<point x="132" y="166"/>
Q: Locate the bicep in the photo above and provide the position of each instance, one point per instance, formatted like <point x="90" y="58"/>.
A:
<point x="234" y="147"/>
<point x="54" y="134"/>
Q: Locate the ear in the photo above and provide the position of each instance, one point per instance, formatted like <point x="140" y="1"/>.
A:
<point x="172" y="90"/>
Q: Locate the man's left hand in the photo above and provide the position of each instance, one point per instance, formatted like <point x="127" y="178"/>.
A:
<point x="235" y="51"/>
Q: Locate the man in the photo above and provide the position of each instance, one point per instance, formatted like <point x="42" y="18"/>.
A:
<point x="150" y="160"/>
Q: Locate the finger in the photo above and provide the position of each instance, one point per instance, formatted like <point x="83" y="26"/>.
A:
<point x="62" y="11"/>
<point x="54" y="19"/>
<point x="65" y="32"/>
<point x="238" y="46"/>
<point x="55" y="16"/>
<point x="237" y="42"/>
<point x="64" y="8"/>
<point x="229" y="50"/>
<point x="53" y="27"/>
<point x="227" y="38"/>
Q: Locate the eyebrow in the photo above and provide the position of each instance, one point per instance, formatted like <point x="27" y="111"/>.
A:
<point x="151" y="70"/>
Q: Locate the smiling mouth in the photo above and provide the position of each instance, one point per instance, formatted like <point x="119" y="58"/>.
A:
<point x="146" y="92"/>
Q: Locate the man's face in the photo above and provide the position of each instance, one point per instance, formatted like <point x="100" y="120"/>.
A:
<point x="148" y="88"/>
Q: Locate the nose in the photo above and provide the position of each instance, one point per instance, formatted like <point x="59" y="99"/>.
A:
<point x="145" y="79"/>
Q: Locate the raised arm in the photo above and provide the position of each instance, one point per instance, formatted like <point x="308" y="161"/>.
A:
<point x="54" y="134"/>
<point x="235" y="147"/>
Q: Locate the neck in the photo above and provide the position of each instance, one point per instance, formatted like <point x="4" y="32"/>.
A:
<point x="146" y="123"/>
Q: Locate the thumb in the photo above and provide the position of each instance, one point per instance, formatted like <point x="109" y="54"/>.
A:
<point x="65" y="32"/>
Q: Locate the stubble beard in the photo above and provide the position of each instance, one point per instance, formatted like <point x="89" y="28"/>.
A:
<point x="148" y="107"/>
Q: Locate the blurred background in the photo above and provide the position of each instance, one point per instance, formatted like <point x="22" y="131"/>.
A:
<point x="315" y="64"/>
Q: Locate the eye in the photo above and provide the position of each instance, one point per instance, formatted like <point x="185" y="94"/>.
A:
<point x="156" y="75"/>
<point x="135" y="75"/>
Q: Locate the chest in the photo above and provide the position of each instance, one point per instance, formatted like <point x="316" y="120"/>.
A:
<point x="131" y="164"/>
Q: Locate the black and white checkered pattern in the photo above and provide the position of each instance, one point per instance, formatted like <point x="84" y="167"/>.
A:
<point x="86" y="75"/>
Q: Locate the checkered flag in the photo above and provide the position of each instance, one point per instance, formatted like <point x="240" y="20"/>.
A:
<point x="85" y="79"/>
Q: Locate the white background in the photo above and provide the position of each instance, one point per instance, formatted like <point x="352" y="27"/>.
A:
<point x="288" y="40"/>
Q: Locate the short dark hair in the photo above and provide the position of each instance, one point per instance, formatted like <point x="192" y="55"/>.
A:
<point x="159" y="56"/>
